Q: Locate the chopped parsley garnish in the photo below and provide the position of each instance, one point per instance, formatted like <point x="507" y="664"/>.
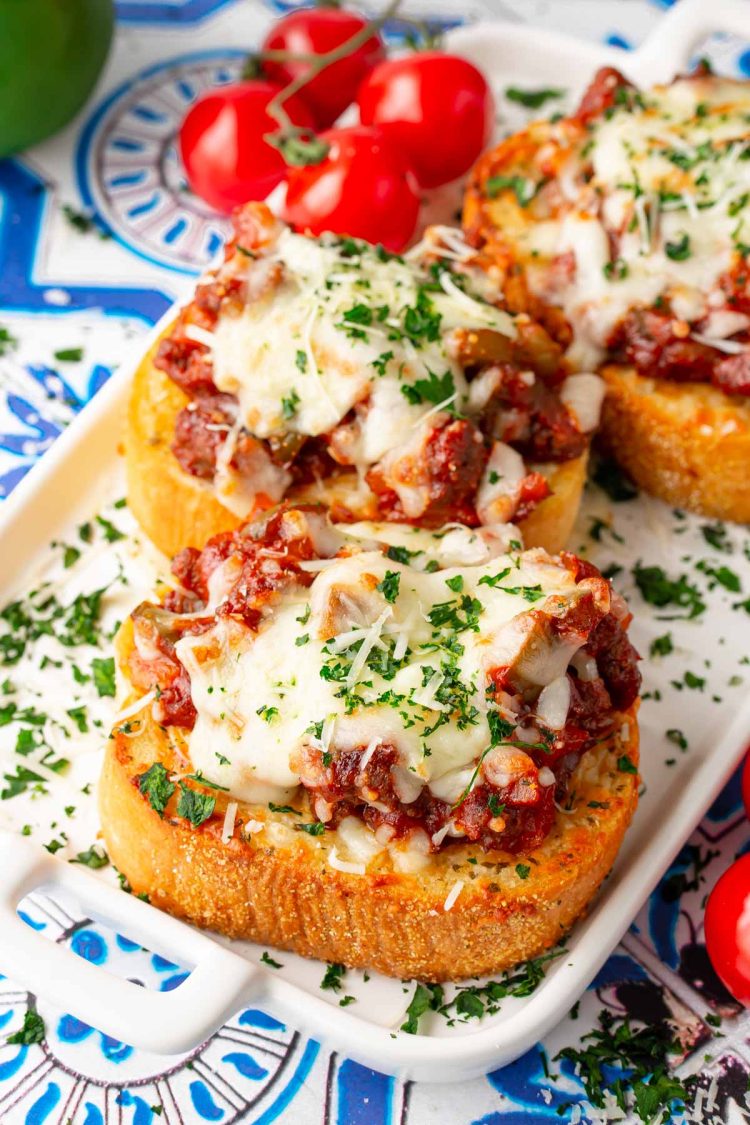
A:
<point x="300" y="360"/>
<point x="103" y="675"/>
<point x="317" y="828"/>
<point x="680" y="250"/>
<point x="658" y="589"/>
<point x="456" y="584"/>
<point x="437" y="389"/>
<point x="523" y="870"/>
<point x="677" y="737"/>
<point x="382" y="362"/>
<point x="494" y="579"/>
<point x="93" y="857"/>
<point x="290" y="402"/>
<point x="389" y="585"/>
<point x="267" y="960"/>
<point x="523" y="188"/>
<point x="303" y="639"/>
<point x="500" y="729"/>
<point x="156" y="786"/>
<point x="458" y="615"/>
<point x="422" y="1001"/>
<point x="661" y="646"/>
<point x="332" y="977"/>
<point x="267" y="713"/>
<point x="625" y="765"/>
<point x="359" y="314"/>
<point x="476" y="1001"/>
<point x="78" y="715"/>
<point x="71" y="555"/>
<point x="69" y="355"/>
<point x="715" y="535"/>
<point x="421" y="322"/>
<point x="194" y="806"/>
<point x="32" y="1031"/>
<point x="495" y="805"/>
<point x="282" y="808"/>
<point x="633" y="1064"/>
<point x="401" y="555"/>
<point x="42" y="614"/>
<point x="111" y="533"/>
<point x="532" y="99"/>
<point x="199" y="777"/>
<point x="7" y="341"/>
<point x="691" y="681"/>
<point x="722" y="576"/>
<point x="82" y="222"/>
<point x="615" y="270"/>
<point x="529" y="593"/>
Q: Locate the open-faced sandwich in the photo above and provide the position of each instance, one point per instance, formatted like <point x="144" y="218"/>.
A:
<point x="404" y="749"/>
<point x="388" y="388"/>
<point x="626" y="230"/>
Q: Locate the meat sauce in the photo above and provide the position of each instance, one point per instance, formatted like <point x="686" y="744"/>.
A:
<point x="540" y="427"/>
<point x="506" y="806"/>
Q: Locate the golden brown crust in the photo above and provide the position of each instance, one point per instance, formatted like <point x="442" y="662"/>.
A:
<point x="687" y="443"/>
<point x="276" y="887"/>
<point x="176" y="510"/>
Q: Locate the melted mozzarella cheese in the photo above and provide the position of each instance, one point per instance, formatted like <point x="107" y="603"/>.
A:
<point x="301" y="356"/>
<point x="671" y="187"/>
<point x="262" y="698"/>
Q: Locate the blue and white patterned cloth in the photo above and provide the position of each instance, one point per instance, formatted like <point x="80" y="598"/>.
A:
<point x="94" y="285"/>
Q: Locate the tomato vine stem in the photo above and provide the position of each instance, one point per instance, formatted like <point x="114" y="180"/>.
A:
<point x="296" y="144"/>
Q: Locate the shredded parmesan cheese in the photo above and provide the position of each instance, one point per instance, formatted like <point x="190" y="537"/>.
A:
<point x="227" y="830"/>
<point x="452" y="895"/>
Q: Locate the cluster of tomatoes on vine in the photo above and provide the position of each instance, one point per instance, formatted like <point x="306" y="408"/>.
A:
<point x="424" y="118"/>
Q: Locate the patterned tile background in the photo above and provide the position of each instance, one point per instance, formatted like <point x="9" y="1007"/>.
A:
<point x="94" y="284"/>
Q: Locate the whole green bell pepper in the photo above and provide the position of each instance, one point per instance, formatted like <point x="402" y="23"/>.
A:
<point x="51" y="54"/>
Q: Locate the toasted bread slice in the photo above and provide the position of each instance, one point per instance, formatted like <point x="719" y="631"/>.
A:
<point x="449" y="920"/>
<point x="176" y="509"/>
<point x="687" y="443"/>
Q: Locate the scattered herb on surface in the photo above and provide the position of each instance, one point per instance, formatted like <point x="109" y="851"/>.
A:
<point x="93" y="857"/>
<point x="156" y="786"/>
<point x="533" y="99"/>
<point x="194" y="806"/>
<point x="32" y="1031"/>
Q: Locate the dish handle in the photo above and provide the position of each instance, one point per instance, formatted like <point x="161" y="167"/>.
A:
<point x="167" y="1023"/>
<point x="668" y="48"/>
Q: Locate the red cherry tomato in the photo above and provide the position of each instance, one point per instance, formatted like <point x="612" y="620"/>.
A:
<point x="727" y="929"/>
<point x="315" y="31"/>
<point x="226" y="160"/>
<point x="436" y="107"/>
<point x="364" y="188"/>
<point x="746" y="785"/>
